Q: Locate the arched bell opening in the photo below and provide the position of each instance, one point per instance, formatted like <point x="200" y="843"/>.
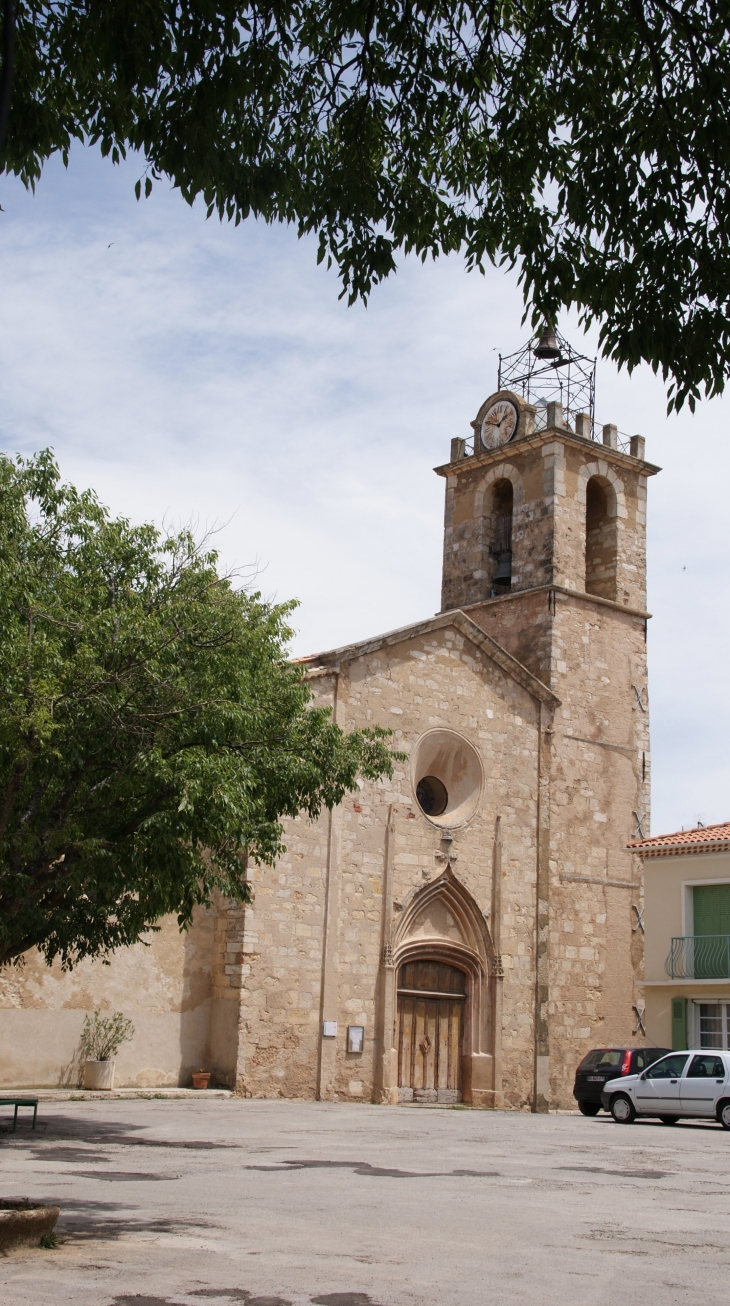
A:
<point x="500" y="544"/>
<point x="601" y="538"/>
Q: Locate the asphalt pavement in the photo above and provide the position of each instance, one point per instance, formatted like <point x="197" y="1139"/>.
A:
<point x="184" y="1202"/>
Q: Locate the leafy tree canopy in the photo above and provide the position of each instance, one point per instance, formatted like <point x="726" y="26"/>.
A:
<point x="152" y="731"/>
<point x="586" y="142"/>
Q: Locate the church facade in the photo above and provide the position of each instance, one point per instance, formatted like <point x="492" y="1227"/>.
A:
<point x="468" y="929"/>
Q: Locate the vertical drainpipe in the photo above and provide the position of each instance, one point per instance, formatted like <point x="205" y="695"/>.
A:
<point x="498" y="977"/>
<point x="541" y="1086"/>
<point x="328" y="993"/>
<point x="385" y="1071"/>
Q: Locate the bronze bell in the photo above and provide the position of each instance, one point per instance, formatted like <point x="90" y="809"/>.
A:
<point x="547" y="346"/>
<point x="503" y="574"/>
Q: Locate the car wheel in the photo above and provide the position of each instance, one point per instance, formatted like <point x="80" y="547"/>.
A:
<point x="723" y="1115"/>
<point x="623" y="1110"/>
<point x="589" y="1108"/>
<point x="669" y="1120"/>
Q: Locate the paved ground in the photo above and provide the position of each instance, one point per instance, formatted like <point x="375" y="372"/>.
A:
<point x="180" y="1203"/>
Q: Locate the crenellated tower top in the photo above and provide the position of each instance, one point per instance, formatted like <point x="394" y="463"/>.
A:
<point x="542" y="496"/>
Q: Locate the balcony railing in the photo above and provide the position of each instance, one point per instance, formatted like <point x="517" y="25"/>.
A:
<point x="699" y="956"/>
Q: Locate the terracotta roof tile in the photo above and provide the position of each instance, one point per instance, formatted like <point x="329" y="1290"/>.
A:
<point x="702" y="838"/>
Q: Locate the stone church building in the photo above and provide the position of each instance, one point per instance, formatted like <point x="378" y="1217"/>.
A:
<point x="467" y="930"/>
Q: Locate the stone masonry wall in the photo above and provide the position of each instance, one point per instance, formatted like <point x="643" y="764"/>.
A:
<point x="164" y="987"/>
<point x="466" y="570"/>
<point x="549" y="474"/>
<point x="434" y="680"/>
<point x="600" y="778"/>
<point x="245" y="991"/>
<point x="592" y="654"/>
<point x="522" y="624"/>
<point x="572" y="467"/>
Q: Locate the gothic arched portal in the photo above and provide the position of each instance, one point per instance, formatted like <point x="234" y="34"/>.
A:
<point x="442" y="1000"/>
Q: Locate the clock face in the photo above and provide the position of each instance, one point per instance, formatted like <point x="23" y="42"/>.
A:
<point x="499" y="424"/>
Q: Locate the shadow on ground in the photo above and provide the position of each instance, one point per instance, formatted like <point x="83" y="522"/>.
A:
<point x="248" y="1298"/>
<point x="60" y="1138"/>
<point x="84" y="1220"/>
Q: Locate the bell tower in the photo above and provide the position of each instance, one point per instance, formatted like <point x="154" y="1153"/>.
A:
<point x="545" y="548"/>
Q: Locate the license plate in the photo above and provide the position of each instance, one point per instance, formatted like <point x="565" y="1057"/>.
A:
<point x="596" y="1079"/>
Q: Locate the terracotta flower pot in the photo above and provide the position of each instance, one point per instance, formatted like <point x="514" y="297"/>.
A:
<point x="201" y="1078"/>
<point x="99" y="1074"/>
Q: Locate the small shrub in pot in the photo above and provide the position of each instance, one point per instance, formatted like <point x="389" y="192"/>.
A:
<point x="101" y="1039"/>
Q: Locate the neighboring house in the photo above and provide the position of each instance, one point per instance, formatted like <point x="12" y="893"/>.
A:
<point x="687" y="944"/>
<point x="464" y="930"/>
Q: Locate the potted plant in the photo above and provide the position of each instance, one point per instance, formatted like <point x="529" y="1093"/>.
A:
<point x="101" y="1038"/>
<point x="201" y="1078"/>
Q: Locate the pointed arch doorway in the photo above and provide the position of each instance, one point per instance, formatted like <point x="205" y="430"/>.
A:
<point x="431" y="1001"/>
<point x="439" y="1022"/>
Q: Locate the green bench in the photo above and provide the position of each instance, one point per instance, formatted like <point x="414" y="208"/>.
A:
<point x="18" y="1102"/>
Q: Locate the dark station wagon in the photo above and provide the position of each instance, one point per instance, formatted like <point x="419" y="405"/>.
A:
<point x="603" y="1064"/>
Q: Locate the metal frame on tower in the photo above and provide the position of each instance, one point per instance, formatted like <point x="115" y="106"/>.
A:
<point x="547" y="369"/>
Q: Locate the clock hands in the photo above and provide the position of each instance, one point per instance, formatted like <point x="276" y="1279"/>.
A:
<point x="499" y="424"/>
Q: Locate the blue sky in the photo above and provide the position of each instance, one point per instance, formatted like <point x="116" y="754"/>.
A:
<point x="198" y="373"/>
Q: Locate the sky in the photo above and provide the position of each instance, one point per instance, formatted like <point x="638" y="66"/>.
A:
<point x="198" y="373"/>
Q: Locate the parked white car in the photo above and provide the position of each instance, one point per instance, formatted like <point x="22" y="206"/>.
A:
<point x="679" y="1085"/>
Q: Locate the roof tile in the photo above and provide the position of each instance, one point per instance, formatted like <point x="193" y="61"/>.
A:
<point x="701" y="837"/>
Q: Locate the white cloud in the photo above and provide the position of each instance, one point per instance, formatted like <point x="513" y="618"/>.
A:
<point x="198" y="372"/>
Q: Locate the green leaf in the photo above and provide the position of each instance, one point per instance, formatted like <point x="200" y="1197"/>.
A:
<point x="153" y="733"/>
<point x="586" y="144"/>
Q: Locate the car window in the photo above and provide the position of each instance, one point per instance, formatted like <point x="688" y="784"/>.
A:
<point x="653" y="1054"/>
<point x="706" y="1068"/>
<point x="602" y="1057"/>
<point x="668" y="1067"/>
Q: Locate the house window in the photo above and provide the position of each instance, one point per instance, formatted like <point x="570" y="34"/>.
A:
<point x="713" y="1024"/>
<point x="711" y="909"/>
<point x="711" y="943"/>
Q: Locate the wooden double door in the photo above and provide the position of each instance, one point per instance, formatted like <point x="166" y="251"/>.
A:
<point x="431" y="1001"/>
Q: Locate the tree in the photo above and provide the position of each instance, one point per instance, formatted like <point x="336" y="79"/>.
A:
<point x="152" y="731"/>
<point x="586" y="143"/>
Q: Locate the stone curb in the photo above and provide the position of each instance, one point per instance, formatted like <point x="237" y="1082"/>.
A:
<point x="117" y="1094"/>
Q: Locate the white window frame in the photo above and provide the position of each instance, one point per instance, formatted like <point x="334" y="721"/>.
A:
<point x="710" y="998"/>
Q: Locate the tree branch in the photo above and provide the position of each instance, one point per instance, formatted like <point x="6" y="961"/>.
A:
<point x="6" y="79"/>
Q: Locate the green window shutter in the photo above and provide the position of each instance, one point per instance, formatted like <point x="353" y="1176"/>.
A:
<point x="711" y="909"/>
<point x="679" y="1024"/>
